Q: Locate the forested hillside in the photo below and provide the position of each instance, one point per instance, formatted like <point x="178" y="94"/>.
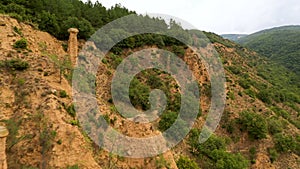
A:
<point x="56" y="16"/>
<point x="279" y="44"/>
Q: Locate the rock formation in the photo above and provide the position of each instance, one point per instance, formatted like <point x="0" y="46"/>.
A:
<point x="3" y="135"/>
<point x="73" y="44"/>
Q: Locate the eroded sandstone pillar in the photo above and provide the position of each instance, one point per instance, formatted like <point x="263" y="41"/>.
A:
<point x="3" y="135"/>
<point x="73" y="44"/>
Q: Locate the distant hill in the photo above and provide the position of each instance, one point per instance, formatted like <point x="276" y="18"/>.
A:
<point x="233" y="37"/>
<point x="280" y="44"/>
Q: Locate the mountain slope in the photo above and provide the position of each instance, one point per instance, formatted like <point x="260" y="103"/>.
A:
<point x="34" y="104"/>
<point x="279" y="44"/>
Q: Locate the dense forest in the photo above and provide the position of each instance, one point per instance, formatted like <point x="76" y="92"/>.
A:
<point x="57" y="16"/>
<point x="279" y="44"/>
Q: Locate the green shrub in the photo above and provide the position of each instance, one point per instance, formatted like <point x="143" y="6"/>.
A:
<point x="139" y="94"/>
<point x="225" y="160"/>
<point x="214" y="149"/>
<point x="255" y="124"/>
<point x="213" y="143"/>
<point x="284" y="143"/>
<point x="73" y="167"/>
<point x="18" y="31"/>
<point x="15" y="64"/>
<point x="71" y="110"/>
<point x="275" y="126"/>
<point x="250" y="93"/>
<point x="231" y="95"/>
<point x="21" y="81"/>
<point x="234" y="69"/>
<point x="63" y="94"/>
<point x="264" y="96"/>
<point x="280" y="112"/>
<point x="252" y="152"/>
<point x="273" y="154"/>
<point x="21" y="44"/>
<point x="186" y="163"/>
<point x="74" y="122"/>
<point x="167" y="120"/>
<point x="244" y="83"/>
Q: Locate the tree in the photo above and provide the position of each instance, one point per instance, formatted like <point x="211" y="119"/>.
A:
<point x="47" y="22"/>
<point x="186" y="163"/>
<point x="225" y="160"/>
<point x="254" y="123"/>
<point x="84" y="26"/>
<point x="63" y="65"/>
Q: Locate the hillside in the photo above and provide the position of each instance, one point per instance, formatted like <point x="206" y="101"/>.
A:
<point x="34" y="104"/>
<point x="259" y="128"/>
<point x="279" y="44"/>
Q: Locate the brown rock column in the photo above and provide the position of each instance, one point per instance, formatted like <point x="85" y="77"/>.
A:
<point x="73" y="44"/>
<point x="3" y="135"/>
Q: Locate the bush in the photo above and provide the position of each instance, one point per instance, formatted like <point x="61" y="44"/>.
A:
<point x="215" y="151"/>
<point x="71" y="110"/>
<point x="252" y="152"/>
<point x="244" y="83"/>
<point x="21" y="44"/>
<point x="213" y="143"/>
<point x="235" y="70"/>
<point x="139" y="94"/>
<point x="225" y="160"/>
<point x="73" y="167"/>
<point x="18" y="31"/>
<point x="284" y="143"/>
<point x="63" y="94"/>
<point x="250" y="93"/>
<point x="167" y="120"/>
<point x="280" y="112"/>
<point x="186" y="163"/>
<point x="273" y="154"/>
<point x="264" y="96"/>
<point x="15" y="64"/>
<point x="275" y="126"/>
<point x="255" y="124"/>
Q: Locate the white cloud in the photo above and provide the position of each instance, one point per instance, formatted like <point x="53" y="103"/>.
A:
<point x="230" y="16"/>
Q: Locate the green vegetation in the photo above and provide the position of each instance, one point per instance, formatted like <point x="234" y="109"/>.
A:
<point x="63" y="94"/>
<point x="13" y="128"/>
<point x="161" y="163"/>
<point x="71" y="110"/>
<point x="64" y="66"/>
<point x="18" y="31"/>
<point x="279" y="44"/>
<point x="21" y="44"/>
<point x="14" y="64"/>
<point x="252" y="152"/>
<point x="186" y="163"/>
<point x="213" y="153"/>
<point x="167" y="120"/>
<point x="254" y="124"/>
<point x="285" y="143"/>
<point x="275" y="126"/>
<point x="273" y="154"/>
<point x="73" y="167"/>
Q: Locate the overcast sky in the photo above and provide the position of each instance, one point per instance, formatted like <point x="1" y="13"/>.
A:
<point x="221" y="16"/>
